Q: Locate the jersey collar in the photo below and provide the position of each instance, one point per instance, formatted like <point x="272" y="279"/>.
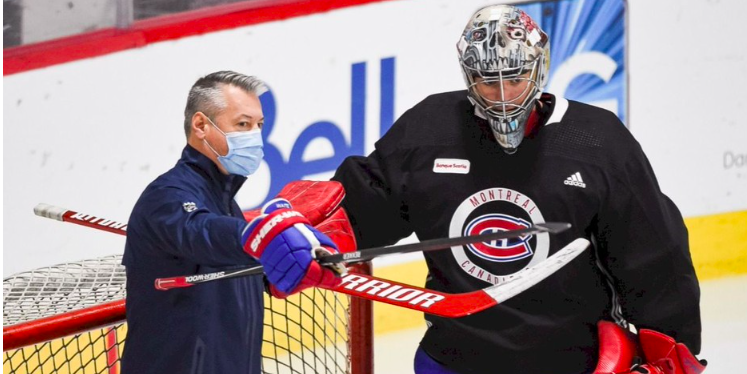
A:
<point x="207" y="168"/>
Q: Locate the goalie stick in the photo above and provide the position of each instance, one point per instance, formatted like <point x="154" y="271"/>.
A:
<point x="416" y="298"/>
<point x="368" y="287"/>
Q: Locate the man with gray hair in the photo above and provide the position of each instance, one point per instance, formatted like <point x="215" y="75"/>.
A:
<point x="187" y="222"/>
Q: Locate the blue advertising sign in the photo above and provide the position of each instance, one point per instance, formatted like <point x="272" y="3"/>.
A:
<point x="587" y="50"/>
<point x="283" y="171"/>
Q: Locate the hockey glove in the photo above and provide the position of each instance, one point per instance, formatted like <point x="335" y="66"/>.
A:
<point x="620" y="352"/>
<point x="286" y="244"/>
<point x="665" y="356"/>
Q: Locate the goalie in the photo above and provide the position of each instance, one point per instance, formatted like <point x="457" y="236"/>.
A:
<point x="503" y="155"/>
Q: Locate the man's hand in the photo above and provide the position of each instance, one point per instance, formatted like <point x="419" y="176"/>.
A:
<point x="286" y="244"/>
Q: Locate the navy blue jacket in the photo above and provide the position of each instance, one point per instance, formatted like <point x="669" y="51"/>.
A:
<point x="187" y="222"/>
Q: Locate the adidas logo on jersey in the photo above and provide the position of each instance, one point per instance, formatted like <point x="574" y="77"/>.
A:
<point x="575" y="180"/>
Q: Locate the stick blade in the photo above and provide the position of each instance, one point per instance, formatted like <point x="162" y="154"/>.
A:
<point x="530" y="276"/>
<point x="554" y="227"/>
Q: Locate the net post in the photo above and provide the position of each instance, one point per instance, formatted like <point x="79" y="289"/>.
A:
<point x="361" y="329"/>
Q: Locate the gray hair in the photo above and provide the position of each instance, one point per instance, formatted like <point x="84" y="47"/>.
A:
<point x="206" y="94"/>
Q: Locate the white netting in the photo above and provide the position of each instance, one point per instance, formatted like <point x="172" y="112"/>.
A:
<point x="62" y="288"/>
<point x="306" y="333"/>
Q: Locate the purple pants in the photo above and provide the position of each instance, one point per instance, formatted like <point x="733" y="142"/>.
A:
<point x="425" y="364"/>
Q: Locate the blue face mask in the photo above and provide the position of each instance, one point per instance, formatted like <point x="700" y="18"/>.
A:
<point x="244" y="151"/>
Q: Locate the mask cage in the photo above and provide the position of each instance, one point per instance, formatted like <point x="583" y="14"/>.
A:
<point x="505" y="110"/>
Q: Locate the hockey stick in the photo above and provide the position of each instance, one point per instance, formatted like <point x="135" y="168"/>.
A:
<point x="368" y="254"/>
<point x="462" y="304"/>
<point x="399" y="294"/>
<point x="61" y="214"/>
<point x="416" y="298"/>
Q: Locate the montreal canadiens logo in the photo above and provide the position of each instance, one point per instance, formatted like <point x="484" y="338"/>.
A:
<point x="491" y="210"/>
<point x="503" y="250"/>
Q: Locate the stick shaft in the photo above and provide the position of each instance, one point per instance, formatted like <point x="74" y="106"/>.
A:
<point x="65" y="215"/>
<point x="441" y="243"/>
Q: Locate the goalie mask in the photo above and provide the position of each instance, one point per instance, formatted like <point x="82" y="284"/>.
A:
<point x="505" y="58"/>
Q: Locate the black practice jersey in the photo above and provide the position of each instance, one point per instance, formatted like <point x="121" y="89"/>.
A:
<point x="439" y="172"/>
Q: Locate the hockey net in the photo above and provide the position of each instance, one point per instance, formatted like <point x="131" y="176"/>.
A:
<point x="70" y="318"/>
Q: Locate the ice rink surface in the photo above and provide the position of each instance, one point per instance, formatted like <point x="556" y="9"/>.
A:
<point x="724" y="313"/>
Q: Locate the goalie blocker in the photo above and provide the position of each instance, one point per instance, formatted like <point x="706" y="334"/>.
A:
<point x="649" y="352"/>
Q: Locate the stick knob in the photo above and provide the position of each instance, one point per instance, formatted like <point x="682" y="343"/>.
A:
<point x="49" y="211"/>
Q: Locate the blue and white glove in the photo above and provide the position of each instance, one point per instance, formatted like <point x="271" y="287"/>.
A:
<point x="285" y="243"/>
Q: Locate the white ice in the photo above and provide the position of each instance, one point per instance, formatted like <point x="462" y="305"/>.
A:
<point x="724" y="316"/>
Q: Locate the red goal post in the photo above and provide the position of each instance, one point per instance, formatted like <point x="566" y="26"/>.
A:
<point x="70" y="318"/>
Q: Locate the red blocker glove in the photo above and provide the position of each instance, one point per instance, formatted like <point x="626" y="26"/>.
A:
<point x="316" y="200"/>
<point x="620" y="352"/>
<point x="337" y="227"/>
<point x="286" y="244"/>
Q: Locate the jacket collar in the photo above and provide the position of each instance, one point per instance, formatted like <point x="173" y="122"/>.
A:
<point x="206" y="168"/>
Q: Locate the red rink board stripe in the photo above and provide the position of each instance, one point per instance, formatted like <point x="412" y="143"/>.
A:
<point x="158" y="29"/>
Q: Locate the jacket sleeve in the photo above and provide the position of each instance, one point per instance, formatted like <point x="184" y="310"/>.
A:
<point x="199" y="235"/>
<point x="374" y="200"/>
<point x="643" y="243"/>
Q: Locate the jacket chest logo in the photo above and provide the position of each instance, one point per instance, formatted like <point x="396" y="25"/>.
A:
<point x="189" y="207"/>
<point x="451" y="165"/>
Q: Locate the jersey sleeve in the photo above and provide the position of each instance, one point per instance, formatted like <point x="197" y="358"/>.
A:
<point x="196" y="234"/>
<point x="643" y="243"/>
<point x="374" y="200"/>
